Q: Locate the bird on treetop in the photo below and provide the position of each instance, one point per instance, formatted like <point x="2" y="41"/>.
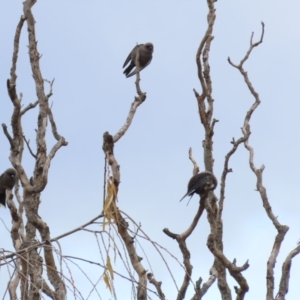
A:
<point x="201" y="184"/>
<point x="145" y="57"/>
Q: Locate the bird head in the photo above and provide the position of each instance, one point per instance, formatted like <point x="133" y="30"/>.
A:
<point x="149" y="46"/>
<point x="11" y="173"/>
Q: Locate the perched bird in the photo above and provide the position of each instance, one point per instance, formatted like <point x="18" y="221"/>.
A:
<point x="145" y="57"/>
<point x="7" y="181"/>
<point x="201" y="183"/>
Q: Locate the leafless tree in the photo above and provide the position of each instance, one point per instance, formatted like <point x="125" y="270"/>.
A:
<point x="31" y="236"/>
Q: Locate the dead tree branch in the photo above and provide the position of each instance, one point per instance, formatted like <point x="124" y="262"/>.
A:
<point x="285" y="277"/>
<point x="201" y="291"/>
<point x="281" y="229"/>
<point x="206" y="118"/>
<point x="157" y="285"/>
<point x="196" y="168"/>
<point x="28" y="147"/>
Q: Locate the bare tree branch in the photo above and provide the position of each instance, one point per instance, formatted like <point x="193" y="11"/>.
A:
<point x="16" y="51"/>
<point x="285" y="277"/>
<point x="29" y="106"/>
<point x="156" y="246"/>
<point x="28" y="146"/>
<point x="201" y="291"/>
<point x="157" y="285"/>
<point x="196" y="167"/>
<point x="281" y="229"/>
<point x="208" y="124"/>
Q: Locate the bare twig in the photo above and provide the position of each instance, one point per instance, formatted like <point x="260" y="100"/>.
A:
<point x="29" y="106"/>
<point x="235" y="272"/>
<point x="8" y="135"/>
<point x="157" y="285"/>
<point x="35" y="103"/>
<point x="226" y="170"/>
<point x="201" y="291"/>
<point x="157" y="247"/>
<point x="16" y="50"/>
<point x="27" y="143"/>
<point x="196" y="167"/>
<point x="252" y="45"/>
<point x="92" y="221"/>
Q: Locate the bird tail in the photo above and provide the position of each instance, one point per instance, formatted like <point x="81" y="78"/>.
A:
<point x="2" y="199"/>
<point x="128" y="70"/>
<point x="183" y="197"/>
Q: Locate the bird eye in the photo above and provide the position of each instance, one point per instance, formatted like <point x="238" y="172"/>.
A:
<point x="12" y="175"/>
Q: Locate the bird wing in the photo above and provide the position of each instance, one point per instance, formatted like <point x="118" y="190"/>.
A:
<point x="195" y="183"/>
<point x="2" y="192"/>
<point x="141" y="68"/>
<point x="1" y="182"/>
<point x="200" y="183"/>
<point x="127" y="60"/>
<point x="2" y="199"/>
<point x="130" y="56"/>
<point x="187" y="194"/>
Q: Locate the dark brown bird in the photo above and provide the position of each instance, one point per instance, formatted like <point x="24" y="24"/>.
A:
<point x="145" y="57"/>
<point x="201" y="183"/>
<point x="7" y="181"/>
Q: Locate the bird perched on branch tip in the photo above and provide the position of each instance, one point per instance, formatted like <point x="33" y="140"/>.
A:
<point x="7" y="181"/>
<point x="201" y="184"/>
<point x="145" y="57"/>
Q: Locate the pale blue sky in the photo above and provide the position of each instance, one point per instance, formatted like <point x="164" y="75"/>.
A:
<point x="84" y="45"/>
